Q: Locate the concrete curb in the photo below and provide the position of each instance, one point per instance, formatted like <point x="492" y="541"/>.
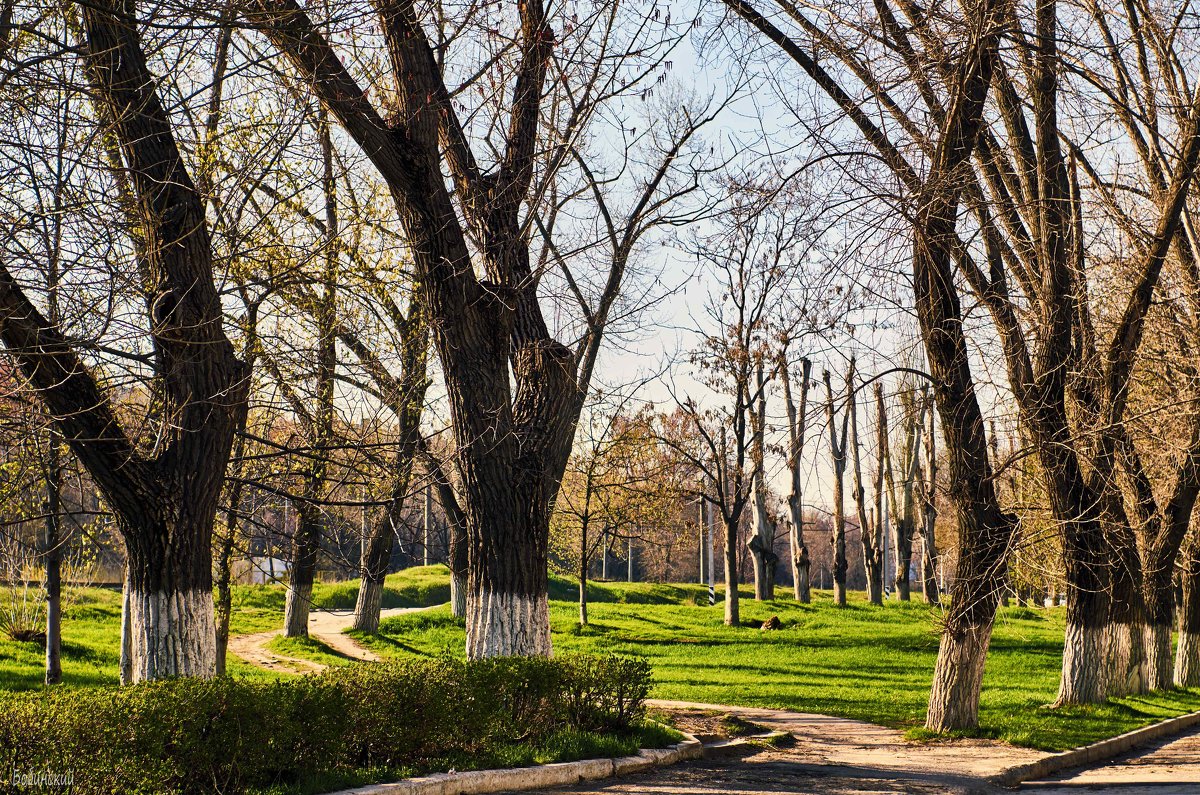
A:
<point x="1096" y="752"/>
<point x="557" y="774"/>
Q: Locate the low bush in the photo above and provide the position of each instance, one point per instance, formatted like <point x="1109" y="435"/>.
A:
<point x="230" y="735"/>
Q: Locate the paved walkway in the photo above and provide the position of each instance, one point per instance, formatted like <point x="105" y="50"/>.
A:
<point x="1169" y="767"/>
<point x="327" y="626"/>
<point x="831" y="756"/>
<point x="835" y="756"/>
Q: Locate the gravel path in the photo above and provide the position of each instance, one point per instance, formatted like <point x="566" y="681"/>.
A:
<point x="324" y="625"/>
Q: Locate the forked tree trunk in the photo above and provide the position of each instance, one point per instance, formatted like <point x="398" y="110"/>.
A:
<point x="837" y="448"/>
<point x="165" y="507"/>
<point x="762" y="538"/>
<point x="868" y="527"/>
<point x="797" y="416"/>
<point x="1187" y="655"/>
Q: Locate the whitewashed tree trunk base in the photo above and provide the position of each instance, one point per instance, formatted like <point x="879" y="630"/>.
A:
<point x="957" y="676"/>
<point x="507" y="625"/>
<point x="171" y="634"/>
<point x="1159" y="665"/>
<point x="1085" y="655"/>
<point x="802" y="588"/>
<point x="458" y="596"/>
<point x="368" y="605"/>
<point x="1187" y="660"/>
<point x="295" y="610"/>
<point x="1126" y="659"/>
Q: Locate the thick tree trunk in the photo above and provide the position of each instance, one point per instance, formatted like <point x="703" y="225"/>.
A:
<point x="1187" y="655"/>
<point x="302" y="573"/>
<point x="368" y="605"/>
<point x="172" y="631"/>
<point x="373" y="571"/>
<point x="1128" y="627"/>
<point x="957" y="677"/>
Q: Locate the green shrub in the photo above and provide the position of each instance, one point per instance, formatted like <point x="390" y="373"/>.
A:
<point x="231" y="735"/>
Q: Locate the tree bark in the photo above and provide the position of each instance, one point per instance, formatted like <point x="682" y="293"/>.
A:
<point x="837" y="448"/>
<point x="796" y="426"/>
<point x="868" y="530"/>
<point x="984" y="531"/>
<point x="306" y="544"/>
<point x="762" y="538"/>
<point x="53" y="548"/>
<point x="1187" y="655"/>
<point x="733" y="616"/>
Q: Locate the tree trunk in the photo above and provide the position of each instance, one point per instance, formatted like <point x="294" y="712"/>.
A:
<point x="984" y="531"/>
<point x="583" y="605"/>
<point x="762" y="537"/>
<point x="732" y="611"/>
<point x="125" y="663"/>
<point x="170" y="602"/>
<point x="302" y="572"/>
<point x="868" y="530"/>
<point x="375" y="559"/>
<point x="957" y="677"/>
<point x="224" y="602"/>
<point x="796" y="426"/>
<point x="53" y="546"/>
<point x="838" y="453"/>
<point x="1187" y="655"/>
<point x="1129" y="632"/>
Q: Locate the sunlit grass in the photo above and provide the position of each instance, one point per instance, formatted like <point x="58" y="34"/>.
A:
<point x="864" y="662"/>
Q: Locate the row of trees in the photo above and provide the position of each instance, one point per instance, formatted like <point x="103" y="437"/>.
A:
<point x="234" y="234"/>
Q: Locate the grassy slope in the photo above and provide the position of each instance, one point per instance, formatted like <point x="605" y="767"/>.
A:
<point x="863" y="662"/>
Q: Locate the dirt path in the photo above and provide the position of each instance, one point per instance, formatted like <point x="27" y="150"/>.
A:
<point x="1169" y="766"/>
<point x="327" y="626"/>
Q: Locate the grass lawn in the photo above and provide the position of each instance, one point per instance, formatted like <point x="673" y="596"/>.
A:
<point x="92" y="627"/>
<point x="863" y="662"/>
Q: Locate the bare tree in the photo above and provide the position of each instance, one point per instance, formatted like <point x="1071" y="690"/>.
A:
<point x="797" y="417"/>
<point x="837" y="452"/>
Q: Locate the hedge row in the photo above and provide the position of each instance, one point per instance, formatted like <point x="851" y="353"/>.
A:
<point x="229" y="735"/>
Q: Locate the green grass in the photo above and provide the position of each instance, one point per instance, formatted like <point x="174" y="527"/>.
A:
<point x="92" y="627"/>
<point x="307" y="649"/>
<point x="864" y="662"/>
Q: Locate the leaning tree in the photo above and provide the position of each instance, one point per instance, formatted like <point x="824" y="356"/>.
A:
<point x="163" y="490"/>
